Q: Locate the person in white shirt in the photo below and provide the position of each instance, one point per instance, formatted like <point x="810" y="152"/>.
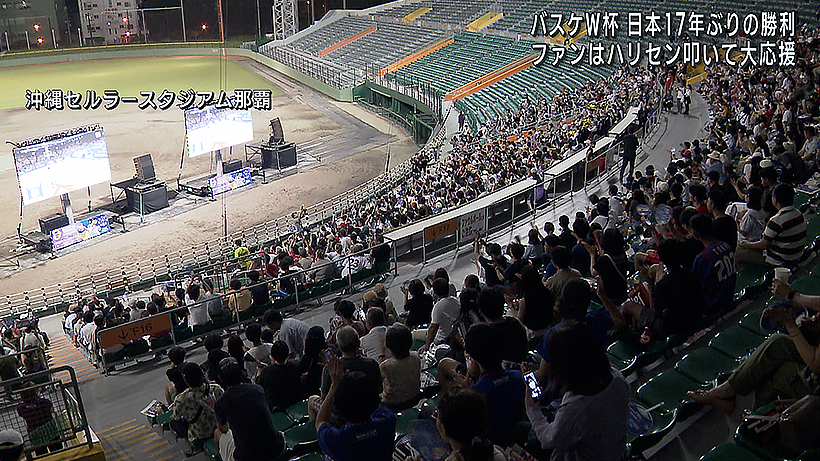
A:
<point x="445" y="312"/>
<point x="291" y="331"/>
<point x="87" y="331"/>
<point x="372" y="343"/>
<point x="197" y="309"/>
<point x="259" y="354"/>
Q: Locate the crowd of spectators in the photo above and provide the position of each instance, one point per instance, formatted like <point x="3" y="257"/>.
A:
<point x="655" y="258"/>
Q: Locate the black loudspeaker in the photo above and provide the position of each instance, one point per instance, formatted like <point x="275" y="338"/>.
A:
<point x="51" y="222"/>
<point x="145" y="168"/>
<point x="267" y="158"/>
<point x="287" y="155"/>
<point x="229" y="166"/>
<point x="278" y="136"/>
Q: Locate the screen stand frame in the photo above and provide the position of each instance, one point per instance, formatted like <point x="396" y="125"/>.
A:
<point x="65" y="201"/>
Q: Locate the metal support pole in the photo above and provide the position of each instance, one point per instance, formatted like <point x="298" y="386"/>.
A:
<point x="53" y="39"/>
<point x="28" y="43"/>
<point x="182" y="9"/>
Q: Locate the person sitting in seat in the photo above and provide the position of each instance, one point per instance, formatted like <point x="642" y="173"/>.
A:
<point x="784" y="236"/>
<point x="401" y="370"/>
<point x="197" y="309"/>
<point x="785" y="366"/>
<point x="292" y="331"/>
<point x="259" y="354"/>
<point x="591" y="422"/>
<point x="193" y="418"/>
<point x="418" y="305"/>
<point x="245" y="430"/>
<point x="373" y="341"/>
<point x="260" y="295"/>
<point x="239" y="298"/>
<point x="176" y="382"/>
<point x="445" y="312"/>
<point x="281" y="380"/>
<point x="462" y="422"/>
<point x="371" y="429"/>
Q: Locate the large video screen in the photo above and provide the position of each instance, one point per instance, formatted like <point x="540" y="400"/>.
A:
<point x="63" y="165"/>
<point x="211" y="129"/>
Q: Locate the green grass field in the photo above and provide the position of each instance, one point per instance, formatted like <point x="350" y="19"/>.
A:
<point x="128" y="76"/>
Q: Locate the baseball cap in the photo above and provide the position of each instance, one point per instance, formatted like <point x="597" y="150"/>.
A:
<point x="10" y="438"/>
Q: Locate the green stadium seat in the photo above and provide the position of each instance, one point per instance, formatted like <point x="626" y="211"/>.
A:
<point x="730" y="452"/>
<point x="202" y="329"/>
<point x="222" y="321"/>
<point x="704" y="365"/>
<point x="662" y="424"/>
<point x="298" y="412"/>
<point x="337" y="284"/>
<point x="302" y="436"/>
<point x="311" y="457"/>
<point x="182" y="333"/>
<point x="211" y="451"/>
<point x="281" y="420"/>
<point x="750" y="280"/>
<point x="751" y="321"/>
<point x="736" y="342"/>
<point x="766" y="451"/>
<point x="669" y="390"/>
<point x="114" y="357"/>
<point x="404" y="421"/>
<point x="159" y="343"/>
<point x="807" y="285"/>
<point x="623" y="356"/>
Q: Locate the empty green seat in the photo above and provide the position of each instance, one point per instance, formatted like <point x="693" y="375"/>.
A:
<point x="766" y="451"/>
<point x="222" y="321"/>
<point x="730" y="452"/>
<point x="404" y="421"/>
<point x="281" y="420"/>
<point x="669" y="390"/>
<point x="298" y="411"/>
<point x="750" y="280"/>
<point x="301" y="435"/>
<point x="736" y="342"/>
<point x="162" y="341"/>
<point x="704" y="365"/>
<point x="808" y="285"/>
<point x="623" y="356"/>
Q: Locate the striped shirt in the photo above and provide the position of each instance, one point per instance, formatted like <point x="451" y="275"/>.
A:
<point x="786" y="234"/>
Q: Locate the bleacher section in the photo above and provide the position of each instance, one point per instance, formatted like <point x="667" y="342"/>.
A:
<point x="452" y="13"/>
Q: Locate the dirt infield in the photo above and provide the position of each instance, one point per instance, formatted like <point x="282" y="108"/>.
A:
<point x="131" y="132"/>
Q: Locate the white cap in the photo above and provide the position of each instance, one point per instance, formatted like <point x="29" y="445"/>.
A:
<point x="10" y="438"/>
<point x="766" y="163"/>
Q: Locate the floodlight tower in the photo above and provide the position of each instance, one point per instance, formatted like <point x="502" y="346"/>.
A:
<point x="285" y="19"/>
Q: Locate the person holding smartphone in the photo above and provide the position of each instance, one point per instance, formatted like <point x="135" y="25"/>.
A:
<point x="591" y="421"/>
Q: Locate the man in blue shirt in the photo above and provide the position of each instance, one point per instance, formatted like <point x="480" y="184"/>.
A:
<point x="714" y="267"/>
<point x="581" y="260"/>
<point x="502" y="389"/>
<point x="370" y="430"/>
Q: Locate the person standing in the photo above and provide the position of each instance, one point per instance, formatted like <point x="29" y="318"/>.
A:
<point x="630" y="151"/>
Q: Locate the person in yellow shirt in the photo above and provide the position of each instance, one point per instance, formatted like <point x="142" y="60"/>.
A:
<point x="239" y="298"/>
<point x="242" y="255"/>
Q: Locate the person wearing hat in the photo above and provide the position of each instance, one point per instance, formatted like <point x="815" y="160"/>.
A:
<point x="714" y="164"/>
<point x="381" y="292"/>
<point x="11" y="445"/>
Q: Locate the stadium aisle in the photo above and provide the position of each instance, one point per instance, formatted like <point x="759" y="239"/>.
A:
<point x="61" y="352"/>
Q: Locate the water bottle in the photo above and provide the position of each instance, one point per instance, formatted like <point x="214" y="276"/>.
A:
<point x="646" y="336"/>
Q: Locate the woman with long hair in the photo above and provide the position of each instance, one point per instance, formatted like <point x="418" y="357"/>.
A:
<point x="590" y="423"/>
<point x="311" y="364"/>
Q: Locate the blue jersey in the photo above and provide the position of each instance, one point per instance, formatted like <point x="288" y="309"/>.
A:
<point x="716" y="270"/>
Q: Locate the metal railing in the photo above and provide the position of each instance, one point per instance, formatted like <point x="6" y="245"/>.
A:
<point x="348" y="272"/>
<point x="519" y="204"/>
<point x="47" y="427"/>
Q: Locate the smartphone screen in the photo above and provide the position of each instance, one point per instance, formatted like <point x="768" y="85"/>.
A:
<point x="532" y="383"/>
